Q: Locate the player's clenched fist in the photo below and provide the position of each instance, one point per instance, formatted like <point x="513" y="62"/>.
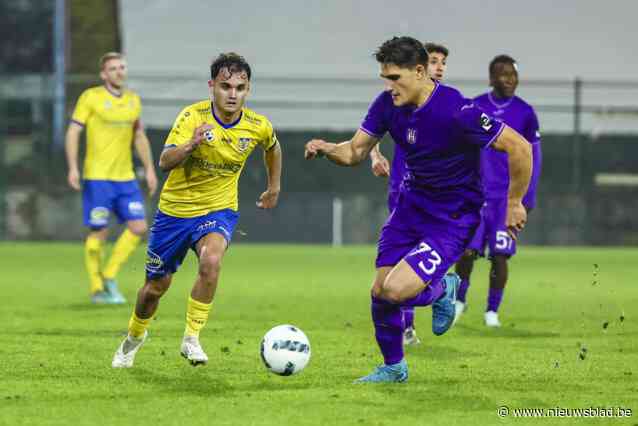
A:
<point x="516" y="217"/>
<point x="317" y="148"/>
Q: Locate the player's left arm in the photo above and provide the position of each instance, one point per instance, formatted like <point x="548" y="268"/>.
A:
<point x="143" y="149"/>
<point x="532" y="134"/>
<point x="272" y="162"/>
<point x="519" y="154"/>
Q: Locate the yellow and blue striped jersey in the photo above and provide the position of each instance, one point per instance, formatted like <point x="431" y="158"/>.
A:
<point x="208" y="180"/>
<point x="110" y="123"/>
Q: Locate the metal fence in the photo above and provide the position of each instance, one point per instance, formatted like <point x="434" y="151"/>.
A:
<point x="587" y="193"/>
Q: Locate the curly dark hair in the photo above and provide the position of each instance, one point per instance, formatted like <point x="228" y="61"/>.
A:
<point x="231" y="60"/>
<point x="404" y="52"/>
<point x="501" y="59"/>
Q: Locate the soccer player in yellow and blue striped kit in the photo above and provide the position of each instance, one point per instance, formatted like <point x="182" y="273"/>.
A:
<point x="111" y="115"/>
<point x="205" y="152"/>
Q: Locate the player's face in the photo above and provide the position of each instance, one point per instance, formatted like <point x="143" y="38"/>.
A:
<point x="229" y="90"/>
<point x="504" y="80"/>
<point x="114" y="73"/>
<point x="437" y="64"/>
<point x="404" y="84"/>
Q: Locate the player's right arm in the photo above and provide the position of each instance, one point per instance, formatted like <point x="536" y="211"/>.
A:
<point x="349" y="153"/>
<point x="81" y="114"/>
<point x="174" y="155"/>
<point x="379" y="164"/>
<point x="71" y="147"/>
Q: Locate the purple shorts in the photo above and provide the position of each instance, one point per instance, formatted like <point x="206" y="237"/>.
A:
<point x="492" y="230"/>
<point x="428" y="244"/>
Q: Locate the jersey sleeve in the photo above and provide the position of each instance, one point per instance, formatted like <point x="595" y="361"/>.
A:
<point x="83" y="109"/>
<point x="477" y="126"/>
<point x="270" y="137"/>
<point x="182" y="130"/>
<point x="375" y="122"/>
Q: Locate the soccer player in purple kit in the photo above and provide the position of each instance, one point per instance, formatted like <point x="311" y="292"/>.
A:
<point x="437" y="65"/>
<point x="503" y="104"/>
<point x="439" y="201"/>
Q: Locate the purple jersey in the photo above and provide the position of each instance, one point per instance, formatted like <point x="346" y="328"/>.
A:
<point x="441" y="140"/>
<point x="520" y="116"/>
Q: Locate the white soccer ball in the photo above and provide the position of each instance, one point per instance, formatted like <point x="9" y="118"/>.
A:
<point x="285" y="350"/>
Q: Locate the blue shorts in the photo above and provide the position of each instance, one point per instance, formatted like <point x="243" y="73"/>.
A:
<point x="170" y="238"/>
<point x="101" y="197"/>
<point x="492" y="231"/>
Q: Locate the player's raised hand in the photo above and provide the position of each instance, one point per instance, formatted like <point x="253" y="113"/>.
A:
<point x="73" y="178"/>
<point x="516" y="217"/>
<point x="380" y="165"/>
<point x="199" y="135"/>
<point x="316" y="148"/>
<point x="268" y="199"/>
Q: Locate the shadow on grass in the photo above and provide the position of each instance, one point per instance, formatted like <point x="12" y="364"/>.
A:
<point x="193" y="382"/>
<point x="506" y="331"/>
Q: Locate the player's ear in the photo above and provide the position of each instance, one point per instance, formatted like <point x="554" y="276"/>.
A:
<point x="211" y="83"/>
<point x="421" y="71"/>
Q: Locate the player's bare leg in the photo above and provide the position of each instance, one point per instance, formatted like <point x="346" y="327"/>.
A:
<point x="464" y="268"/>
<point x="498" y="279"/>
<point x="210" y="249"/>
<point x="147" y="302"/>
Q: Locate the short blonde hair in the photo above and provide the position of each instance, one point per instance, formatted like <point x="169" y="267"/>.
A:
<point x="108" y="56"/>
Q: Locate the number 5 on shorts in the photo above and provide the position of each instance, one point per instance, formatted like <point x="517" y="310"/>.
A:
<point x="503" y="240"/>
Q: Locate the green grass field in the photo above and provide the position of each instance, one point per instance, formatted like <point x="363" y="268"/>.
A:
<point x="56" y="348"/>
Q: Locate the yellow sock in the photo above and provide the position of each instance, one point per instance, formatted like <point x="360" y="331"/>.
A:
<point x="196" y="316"/>
<point x="124" y="246"/>
<point x="137" y="326"/>
<point x="93" y="261"/>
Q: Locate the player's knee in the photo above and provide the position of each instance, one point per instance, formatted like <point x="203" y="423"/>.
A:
<point x="470" y="255"/>
<point x="156" y="288"/>
<point x="138" y="227"/>
<point x="209" y="266"/>
<point x="392" y="292"/>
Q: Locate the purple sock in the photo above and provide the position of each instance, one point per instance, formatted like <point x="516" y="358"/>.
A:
<point x="388" y="326"/>
<point x="462" y="293"/>
<point x="494" y="298"/>
<point x="428" y="296"/>
<point x="408" y="317"/>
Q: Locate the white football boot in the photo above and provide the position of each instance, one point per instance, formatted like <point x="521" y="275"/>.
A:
<point x="459" y="309"/>
<point x="491" y="319"/>
<point x="125" y="354"/>
<point x="192" y="351"/>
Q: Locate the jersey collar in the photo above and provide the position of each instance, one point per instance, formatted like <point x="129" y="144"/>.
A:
<point x="221" y="123"/>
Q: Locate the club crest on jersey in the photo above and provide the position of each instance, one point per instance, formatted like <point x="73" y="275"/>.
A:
<point x="108" y="104"/>
<point x="210" y="136"/>
<point x="411" y="136"/>
<point x="243" y="144"/>
<point x="486" y="123"/>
